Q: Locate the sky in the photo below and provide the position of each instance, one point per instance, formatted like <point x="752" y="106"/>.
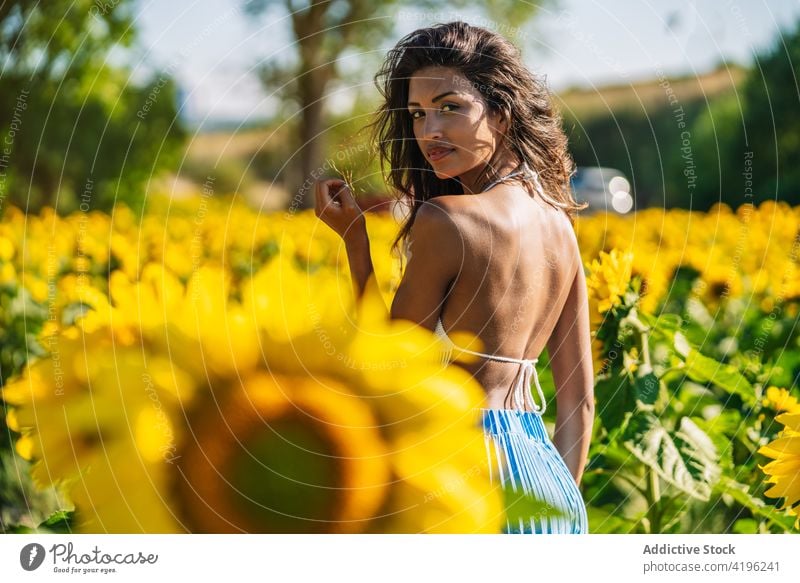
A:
<point x="213" y="48"/>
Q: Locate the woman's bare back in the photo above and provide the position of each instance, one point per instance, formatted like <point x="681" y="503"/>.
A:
<point x="519" y="260"/>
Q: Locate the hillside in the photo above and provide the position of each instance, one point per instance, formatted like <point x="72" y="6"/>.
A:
<point x="586" y="103"/>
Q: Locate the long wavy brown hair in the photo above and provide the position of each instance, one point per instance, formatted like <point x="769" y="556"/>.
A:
<point x="494" y="66"/>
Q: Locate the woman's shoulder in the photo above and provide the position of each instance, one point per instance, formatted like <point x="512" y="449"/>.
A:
<point x="512" y="200"/>
<point x="447" y="201"/>
<point x="437" y="216"/>
<point x="459" y="205"/>
<point x="463" y="213"/>
<point x="453" y="208"/>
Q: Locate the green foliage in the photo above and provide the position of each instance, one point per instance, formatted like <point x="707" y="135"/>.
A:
<point x="717" y="130"/>
<point x="21" y="320"/>
<point x="746" y="140"/>
<point x="519" y="505"/>
<point x="675" y="449"/>
<point x="703" y="369"/>
<point x="24" y="508"/>
<point x="685" y="458"/>
<point x="737" y="144"/>
<point x="77" y="132"/>
<point x="644" y="141"/>
<point x="616" y="401"/>
<point x="349" y="150"/>
<point x="772" y="119"/>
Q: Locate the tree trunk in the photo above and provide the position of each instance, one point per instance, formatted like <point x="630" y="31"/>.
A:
<point x="316" y="69"/>
<point x="311" y="145"/>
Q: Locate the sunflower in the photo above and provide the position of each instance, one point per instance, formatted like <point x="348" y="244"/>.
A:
<point x="779" y="399"/>
<point x="718" y="283"/>
<point x="177" y="410"/>
<point x="653" y="277"/>
<point x="784" y="470"/>
<point x="608" y="281"/>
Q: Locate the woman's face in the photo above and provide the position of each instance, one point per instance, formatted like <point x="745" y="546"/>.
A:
<point x="453" y="126"/>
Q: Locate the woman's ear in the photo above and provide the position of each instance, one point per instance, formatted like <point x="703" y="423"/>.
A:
<point x="500" y="122"/>
<point x="504" y="124"/>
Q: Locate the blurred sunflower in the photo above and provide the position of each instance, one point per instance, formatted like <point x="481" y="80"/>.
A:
<point x="6" y="248"/>
<point x="653" y="277"/>
<point x="718" y="283"/>
<point x="784" y="470"/>
<point x="790" y="282"/>
<point x="779" y="399"/>
<point x="207" y="422"/>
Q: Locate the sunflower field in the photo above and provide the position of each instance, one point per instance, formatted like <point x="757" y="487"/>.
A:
<point x="203" y="367"/>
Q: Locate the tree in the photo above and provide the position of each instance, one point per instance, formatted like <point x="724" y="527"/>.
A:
<point x="771" y="96"/>
<point x="718" y="133"/>
<point x="747" y="140"/>
<point x="323" y="32"/>
<point x="74" y="131"/>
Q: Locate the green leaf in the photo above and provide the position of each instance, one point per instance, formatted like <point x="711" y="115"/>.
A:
<point x="741" y="494"/>
<point x="684" y="464"/>
<point x="646" y="388"/>
<point x="721" y="430"/>
<point x="698" y="451"/>
<point x="782" y="374"/>
<point x="23" y="306"/>
<point x="745" y="526"/>
<point x="704" y="369"/>
<point x="667" y="323"/>
<point x="520" y="505"/>
<point x="59" y="522"/>
<point x="702" y="319"/>
<point x="609" y="520"/>
<point x="615" y="398"/>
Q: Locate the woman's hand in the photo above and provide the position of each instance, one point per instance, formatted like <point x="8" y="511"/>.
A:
<point x="338" y="209"/>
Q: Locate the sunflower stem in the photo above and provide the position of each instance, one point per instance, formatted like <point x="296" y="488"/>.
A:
<point x="653" y="501"/>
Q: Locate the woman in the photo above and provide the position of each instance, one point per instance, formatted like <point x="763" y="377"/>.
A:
<point x="473" y="142"/>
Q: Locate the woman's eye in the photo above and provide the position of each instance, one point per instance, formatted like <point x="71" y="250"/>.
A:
<point x="450" y="105"/>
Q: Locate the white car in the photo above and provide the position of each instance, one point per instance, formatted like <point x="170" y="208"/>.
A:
<point x="605" y="189"/>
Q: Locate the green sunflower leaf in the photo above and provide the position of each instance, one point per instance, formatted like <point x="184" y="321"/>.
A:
<point x="685" y="460"/>
<point x="704" y="369"/>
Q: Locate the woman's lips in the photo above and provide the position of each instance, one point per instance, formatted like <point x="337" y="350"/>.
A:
<point x="439" y="153"/>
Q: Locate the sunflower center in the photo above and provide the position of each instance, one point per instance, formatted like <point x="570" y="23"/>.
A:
<point x="286" y="476"/>
<point x="285" y="455"/>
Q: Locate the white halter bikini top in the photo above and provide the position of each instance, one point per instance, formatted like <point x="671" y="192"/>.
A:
<point x="522" y="387"/>
<point x="525" y="171"/>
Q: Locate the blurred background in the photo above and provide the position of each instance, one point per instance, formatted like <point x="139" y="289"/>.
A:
<point x="121" y="98"/>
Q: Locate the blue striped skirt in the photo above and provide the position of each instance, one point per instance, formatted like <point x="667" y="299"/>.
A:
<point x="524" y="459"/>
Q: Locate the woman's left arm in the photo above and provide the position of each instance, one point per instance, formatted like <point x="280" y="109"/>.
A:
<point x="571" y="361"/>
<point x="435" y="258"/>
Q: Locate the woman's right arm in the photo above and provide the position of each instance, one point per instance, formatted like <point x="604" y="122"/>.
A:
<point x="337" y="208"/>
